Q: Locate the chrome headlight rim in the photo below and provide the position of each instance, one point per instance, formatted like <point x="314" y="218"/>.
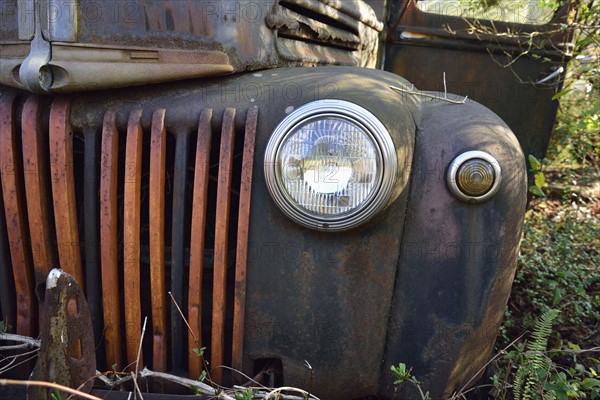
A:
<point x="386" y="158"/>
<point x="453" y="181"/>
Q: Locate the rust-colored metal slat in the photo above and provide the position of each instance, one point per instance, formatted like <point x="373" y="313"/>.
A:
<point x="158" y="151"/>
<point x="108" y="238"/>
<point x="221" y="241"/>
<point x="199" y="205"/>
<point x="131" y="236"/>
<point x="15" y="213"/>
<point x="239" y="300"/>
<point x="35" y="162"/>
<point x="63" y="190"/>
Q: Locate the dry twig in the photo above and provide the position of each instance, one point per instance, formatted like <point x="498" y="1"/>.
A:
<point x="203" y="388"/>
<point x="11" y="337"/>
<point x="8" y="382"/>
<point x="289" y="389"/>
<point x="416" y="92"/>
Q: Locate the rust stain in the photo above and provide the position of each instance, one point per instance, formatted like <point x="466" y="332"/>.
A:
<point x="221" y="241"/>
<point x="63" y="189"/>
<point x="131" y="236"/>
<point x="67" y="353"/>
<point x="14" y="202"/>
<point x="239" y="302"/>
<point x="197" y="239"/>
<point x="158" y="151"/>
<point x="108" y="239"/>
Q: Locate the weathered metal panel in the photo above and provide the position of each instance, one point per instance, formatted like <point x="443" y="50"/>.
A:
<point x="457" y="260"/>
<point x="497" y="88"/>
<point x="328" y="295"/>
<point x="491" y="68"/>
<point x="93" y="45"/>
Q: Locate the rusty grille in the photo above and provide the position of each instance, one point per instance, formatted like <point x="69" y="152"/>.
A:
<point x="135" y="215"/>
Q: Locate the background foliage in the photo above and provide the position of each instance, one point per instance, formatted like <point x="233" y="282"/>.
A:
<point x="559" y="264"/>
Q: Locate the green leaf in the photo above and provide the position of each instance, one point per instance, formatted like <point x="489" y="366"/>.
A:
<point x="55" y="394"/>
<point x="536" y="191"/>
<point x="540" y="179"/>
<point x="557" y="390"/>
<point x="573" y="346"/>
<point x="558" y="294"/>
<point x="400" y="373"/>
<point x="536" y="164"/>
<point x="590" y="383"/>
<point x="199" y="351"/>
<point x="560" y="94"/>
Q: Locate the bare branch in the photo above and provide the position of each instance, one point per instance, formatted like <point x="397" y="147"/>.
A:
<point x="8" y="382"/>
<point x="137" y="360"/>
<point x="430" y="96"/>
<point x="10" y="337"/>
<point x="289" y="389"/>
<point x="201" y="387"/>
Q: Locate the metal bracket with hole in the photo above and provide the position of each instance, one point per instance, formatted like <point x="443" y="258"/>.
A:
<point x="34" y="72"/>
<point x="43" y="21"/>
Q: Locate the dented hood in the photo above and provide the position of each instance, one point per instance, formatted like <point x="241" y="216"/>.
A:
<point x="58" y="46"/>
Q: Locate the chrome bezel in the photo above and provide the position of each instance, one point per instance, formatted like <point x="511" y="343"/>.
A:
<point x="458" y="162"/>
<point x="387" y="158"/>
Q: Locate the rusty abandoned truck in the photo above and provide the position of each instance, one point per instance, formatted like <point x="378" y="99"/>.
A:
<point x="314" y="225"/>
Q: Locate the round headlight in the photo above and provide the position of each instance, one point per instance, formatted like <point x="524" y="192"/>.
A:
<point x="474" y="176"/>
<point x="331" y="165"/>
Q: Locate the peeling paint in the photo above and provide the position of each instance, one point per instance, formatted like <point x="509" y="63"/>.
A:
<point x="53" y="277"/>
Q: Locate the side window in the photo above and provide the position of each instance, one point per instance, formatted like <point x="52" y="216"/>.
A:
<point x="536" y="12"/>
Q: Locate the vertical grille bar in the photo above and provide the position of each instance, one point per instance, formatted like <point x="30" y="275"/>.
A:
<point x="92" y="227"/>
<point x="63" y="189"/>
<point x="37" y="190"/>
<point x="221" y="242"/>
<point x="15" y="213"/>
<point x="239" y="301"/>
<point x="158" y="151"/>
<point x="108" y="238"/>
<point x="178" y="246"/>
<point x="197" y="240"/>
<point x="7" y="289"/>
<point x="102" y="224"/>
<point x="131" y="235"/>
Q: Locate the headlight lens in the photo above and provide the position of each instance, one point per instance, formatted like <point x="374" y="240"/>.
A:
<point x="330" y="165"/>
<point x="474" y="176"/>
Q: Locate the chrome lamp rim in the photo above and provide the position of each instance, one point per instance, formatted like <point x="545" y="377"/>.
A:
<point x="454" y="167"/>
<point x="387" y="159"/>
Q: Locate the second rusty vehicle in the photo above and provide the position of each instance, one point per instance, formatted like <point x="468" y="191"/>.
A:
<point x="315" y="225"/>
